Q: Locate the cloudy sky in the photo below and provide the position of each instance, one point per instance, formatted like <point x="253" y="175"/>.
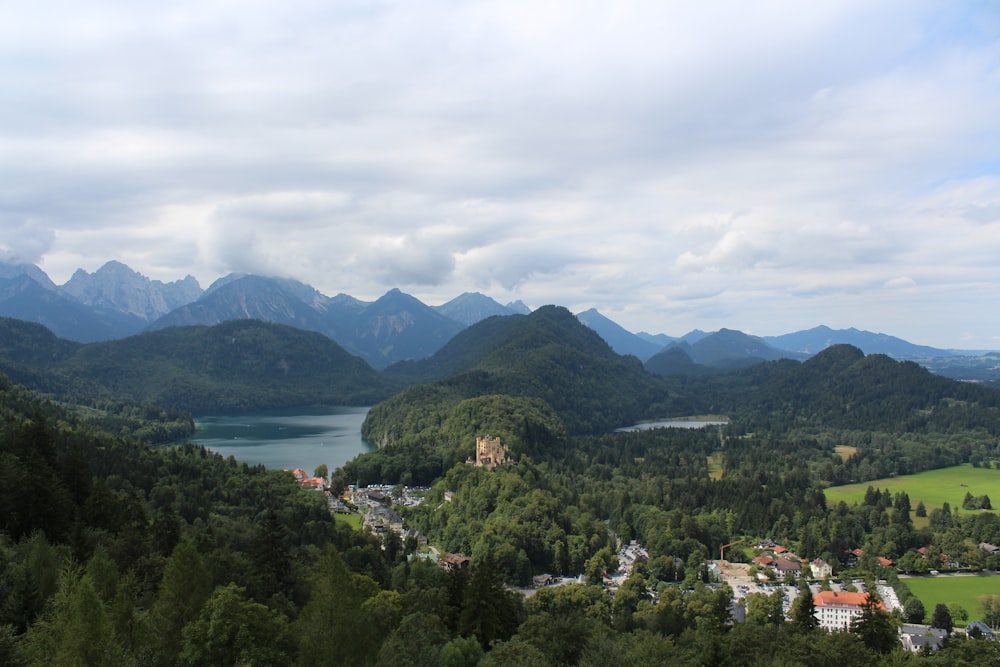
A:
<point x="764" y="166"/>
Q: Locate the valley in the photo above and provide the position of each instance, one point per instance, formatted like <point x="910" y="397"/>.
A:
<point x="568" y="497"/>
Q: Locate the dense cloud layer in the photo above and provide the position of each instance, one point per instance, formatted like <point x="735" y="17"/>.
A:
<point x="762" y="166"/>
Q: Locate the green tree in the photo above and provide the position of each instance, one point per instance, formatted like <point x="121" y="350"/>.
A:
<point x="74" y="630"/>
<point x="958" y="612"/>
<point x="331" y="629"/>
<point x="417" y="642"/>
<point x="272" y="555"/>
<point x="913" y="610"/>
<point x="489" y="611"/>
<point x="765" y="609"/>
<point x="183" y="590"/>
<point x="321" y="471"/>
<point x="942" y="618"/>
<point x="461" y="652"/>
<point x="804" y="611"/>
<point x="232" y="630"/>
<point x="989" y="606"/>
<point x="874" y="625"/>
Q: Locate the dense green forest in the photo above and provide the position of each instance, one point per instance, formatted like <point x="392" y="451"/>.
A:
<point x="235" y="366"/>
<point x="114" y="552"/>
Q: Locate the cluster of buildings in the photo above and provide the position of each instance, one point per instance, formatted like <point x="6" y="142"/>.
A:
<point x="306" y="482"/>
<point x="783" y="563"/>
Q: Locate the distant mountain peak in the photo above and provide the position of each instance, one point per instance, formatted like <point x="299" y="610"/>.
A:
<point x="471" y="307"/>
<point x="620" y="339"/>
<point x="119" y="288"/>
<point x="11" y="270"/>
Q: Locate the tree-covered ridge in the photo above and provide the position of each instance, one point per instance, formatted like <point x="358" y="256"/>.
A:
<point x="842" y="388"/>
<point x="547" y="355"/>
<point x="234" y="366"/>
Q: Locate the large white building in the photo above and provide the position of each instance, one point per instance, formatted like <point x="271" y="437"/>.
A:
<point x="836" y="610"/>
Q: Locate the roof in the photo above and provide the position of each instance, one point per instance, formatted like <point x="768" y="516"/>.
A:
<point x="786" y="565"/>
<point x="841" y="599"/>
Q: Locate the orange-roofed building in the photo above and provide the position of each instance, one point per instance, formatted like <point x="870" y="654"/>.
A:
<point x="836" y="610"/>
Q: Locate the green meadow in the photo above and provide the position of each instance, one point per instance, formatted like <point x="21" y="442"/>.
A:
<point x="934" y="487"/>
<point x="947" y="589"/>
<point x="352" y="520"/>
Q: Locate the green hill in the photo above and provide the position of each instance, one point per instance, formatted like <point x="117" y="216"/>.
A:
<point x="233" y="366"/>
<point x="548" y="355"/>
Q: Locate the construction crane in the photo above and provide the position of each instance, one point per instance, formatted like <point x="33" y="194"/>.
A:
<point x="723" y="547"/>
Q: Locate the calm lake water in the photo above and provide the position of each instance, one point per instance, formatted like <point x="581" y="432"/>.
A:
<point x="287" y="439"/>
<point x="671" y="423"/>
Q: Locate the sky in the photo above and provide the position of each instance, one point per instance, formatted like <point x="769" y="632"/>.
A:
<point x="765" y="166"/>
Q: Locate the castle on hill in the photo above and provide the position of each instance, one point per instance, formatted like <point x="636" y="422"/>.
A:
<point x="490" y="453"/>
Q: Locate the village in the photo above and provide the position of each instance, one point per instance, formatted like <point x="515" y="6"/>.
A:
<point x="774" y="569"/>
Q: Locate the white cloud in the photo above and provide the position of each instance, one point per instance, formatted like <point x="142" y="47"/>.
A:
<point x="767" y="163"/>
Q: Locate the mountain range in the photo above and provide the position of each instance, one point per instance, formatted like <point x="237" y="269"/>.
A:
<point x="116" y="302"/>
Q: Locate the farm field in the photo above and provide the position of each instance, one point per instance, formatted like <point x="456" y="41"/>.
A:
<point x="947" y="589"/>
<point x="934" y="487"/>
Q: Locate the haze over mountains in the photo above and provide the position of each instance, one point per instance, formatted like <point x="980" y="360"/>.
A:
<point x="115" y="302"/>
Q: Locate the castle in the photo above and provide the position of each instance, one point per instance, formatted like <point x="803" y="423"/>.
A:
<point x="490" y="453"/>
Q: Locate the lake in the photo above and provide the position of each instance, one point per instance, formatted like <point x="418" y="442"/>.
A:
<point x="672" y="423"/>
<point x="287" y="439"/>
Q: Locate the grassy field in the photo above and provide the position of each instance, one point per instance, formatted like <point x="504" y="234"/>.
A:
<point x="352" y="520"/>
<point x="934" y="487"/>
<point x="715" y="465"/>
<point x="947" y="589"/>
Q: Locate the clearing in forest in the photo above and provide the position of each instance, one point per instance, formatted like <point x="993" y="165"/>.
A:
<point x="933" y="487"/>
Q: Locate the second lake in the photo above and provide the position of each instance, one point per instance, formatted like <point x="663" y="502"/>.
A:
<point x="291" y="438"/>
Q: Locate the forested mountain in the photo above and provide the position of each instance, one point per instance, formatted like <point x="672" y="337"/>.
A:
<point x="234" y="366"/>
<point x="548" y="354"/>
<point x="841" y="387"/>
<point x="392" y="328"/>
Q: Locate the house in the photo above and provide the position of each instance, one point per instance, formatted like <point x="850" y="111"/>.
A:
<point x="821" y="569"/>
<point x="978" y="628"/>
<point x="785" y="567"/>
<point x="989" y="548"/>
<point x="836" y="610"/>
<point x="415" y="534"/>
<point x="764" y="560"/>
<point x="916" y="637"/>
<point x="885" y="562"/>
<point x="453" y="561"/>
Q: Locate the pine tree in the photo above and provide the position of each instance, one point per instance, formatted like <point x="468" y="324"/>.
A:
<point x="874" y="625"/>
<point x="942" y="618"/>
<point x="185" y="587"/>
<point x="804" y="611"/>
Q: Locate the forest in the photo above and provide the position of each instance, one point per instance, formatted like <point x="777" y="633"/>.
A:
<point x="117" y="552"/>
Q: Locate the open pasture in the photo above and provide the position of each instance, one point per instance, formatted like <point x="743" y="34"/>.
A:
<point x="933" y="487"/>
<point x="948" y="588"/>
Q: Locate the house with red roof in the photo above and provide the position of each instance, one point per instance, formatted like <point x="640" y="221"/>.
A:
<point x="836" y="610"/>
